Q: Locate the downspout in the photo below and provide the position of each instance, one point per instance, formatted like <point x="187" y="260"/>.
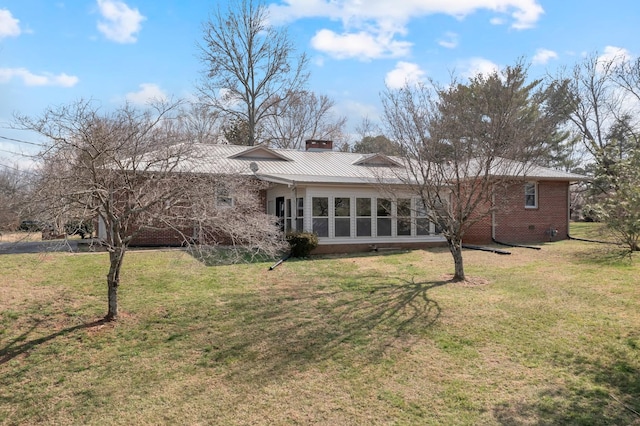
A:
<point x="568" y="208"/>
<point x="493" y="215"/>
<point x="294" y="206"/>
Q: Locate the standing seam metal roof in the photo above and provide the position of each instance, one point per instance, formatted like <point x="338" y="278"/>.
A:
<point x="314" y="166"/>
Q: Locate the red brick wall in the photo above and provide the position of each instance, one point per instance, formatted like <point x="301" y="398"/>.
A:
<point x="160" y="238"/>
<point x="380" y="247"/>
<point x="480" y="232"/>
<point x="171" y="238"/>
<point x="517" y="224"/>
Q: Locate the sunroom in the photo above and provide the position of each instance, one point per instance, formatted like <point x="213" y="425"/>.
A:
<point x="352" y="215"/>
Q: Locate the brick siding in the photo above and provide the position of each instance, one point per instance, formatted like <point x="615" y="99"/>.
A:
<point x="380" y="247"/>
<point x="516" y="224"/>
<point x="160" y="238"/>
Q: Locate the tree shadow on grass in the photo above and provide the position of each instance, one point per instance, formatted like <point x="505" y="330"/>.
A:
<point x="604" y="394"/>
<point x="606" y="255"/>
<point x="20" y="345"/>
<point x="294" y="327"/>
<point x="224" y="255"/>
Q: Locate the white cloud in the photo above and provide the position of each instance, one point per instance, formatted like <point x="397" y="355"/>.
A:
<point x="615" y="55"/>
<point x="525" y="16"/>
<point x="120" y="23"/>
<point x="362" y="45"/>
<point x="9" y="26"/>
<point x="31" y="79"/>
<point x="543" y="56"/>
<point x="450" y="40"/>
<point x="18" y="156"/>
<point x="148" y="92"/>
<point x="375" y="24"/>
<point x="357" y="110"/>
<point x="524" y="13"/>
<point x="405" y="73"/>
<point x="475" y="66"/>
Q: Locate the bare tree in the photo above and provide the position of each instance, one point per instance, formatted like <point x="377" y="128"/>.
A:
<point x="627" y="75"/>
<point x="367" y="128"/>
<point x="463" y="142"/>
<point x="605" y="115"/>
<point x="300" y="116"/>
<point x="14" y="187"/>
<point x="135" y="172"/>
<point x="250" y="65"/>
<point x="600" y="109"/>
<point x="201" y="123"/>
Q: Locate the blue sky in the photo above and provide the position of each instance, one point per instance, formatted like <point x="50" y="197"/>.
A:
<point x="54" y="52"/>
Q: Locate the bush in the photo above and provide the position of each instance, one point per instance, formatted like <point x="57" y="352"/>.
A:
<point x="590" y="214"/>
<point x="82" y="228"/>
<point x="32" y="226"/>
<point x="302" y="243"/>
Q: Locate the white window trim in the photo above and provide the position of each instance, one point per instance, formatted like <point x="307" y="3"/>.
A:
<point x="535" y="195"/>
<point x="353" y="195"/>
<point x="223" y="199"/>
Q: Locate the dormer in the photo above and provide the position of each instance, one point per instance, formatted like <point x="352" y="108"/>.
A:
<point x="377" y="160"/>
<point x="260" y="152"/>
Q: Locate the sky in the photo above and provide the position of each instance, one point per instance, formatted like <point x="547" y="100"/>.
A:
<point x="54" y="52"/>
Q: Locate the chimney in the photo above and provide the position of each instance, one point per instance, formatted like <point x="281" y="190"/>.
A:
<point x="318" y="145"/>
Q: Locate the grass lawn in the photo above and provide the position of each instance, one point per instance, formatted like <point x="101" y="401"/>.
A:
<point x="536" y="338"/>
<point x="591" y="231"/>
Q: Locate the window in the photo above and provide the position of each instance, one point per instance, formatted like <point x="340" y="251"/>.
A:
<point x="383" y="213"/>
<point x="363" y="217"/>
<point x="342" y="215"/>
<point x="300" y="214"/>
<point x="320" y="215"/>
<point x="530" y="195"/>
<point x="223" y="198"/>
<point x="423" y="226"/>
<point x="288" y="224"/>
<point x="403" y="212"/>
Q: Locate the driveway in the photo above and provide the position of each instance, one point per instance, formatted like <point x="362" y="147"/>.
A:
<point x="43" y="246"/>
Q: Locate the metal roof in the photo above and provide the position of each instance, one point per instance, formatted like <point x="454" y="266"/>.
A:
<point x="329" y="167"/>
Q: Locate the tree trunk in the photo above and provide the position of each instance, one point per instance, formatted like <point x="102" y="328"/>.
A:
<point x="455" y="247"/>
<point x="113" y="281"/>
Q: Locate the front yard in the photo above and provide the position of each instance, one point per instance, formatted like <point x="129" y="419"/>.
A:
<point x="538" y="337"/>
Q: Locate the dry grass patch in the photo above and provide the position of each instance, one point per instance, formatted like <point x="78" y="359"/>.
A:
<point x="14" y="237"/>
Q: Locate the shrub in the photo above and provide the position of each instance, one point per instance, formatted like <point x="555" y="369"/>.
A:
<point x="82" y="228"/>
<point x="302" y="243"/>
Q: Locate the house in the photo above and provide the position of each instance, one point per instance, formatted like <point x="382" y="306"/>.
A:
<point x="355" y="202"/>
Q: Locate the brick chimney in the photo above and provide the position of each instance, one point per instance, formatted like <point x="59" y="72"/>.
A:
<point x="318" y="145"/>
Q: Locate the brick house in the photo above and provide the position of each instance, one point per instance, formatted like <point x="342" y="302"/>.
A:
<point x="341" y="197"/>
